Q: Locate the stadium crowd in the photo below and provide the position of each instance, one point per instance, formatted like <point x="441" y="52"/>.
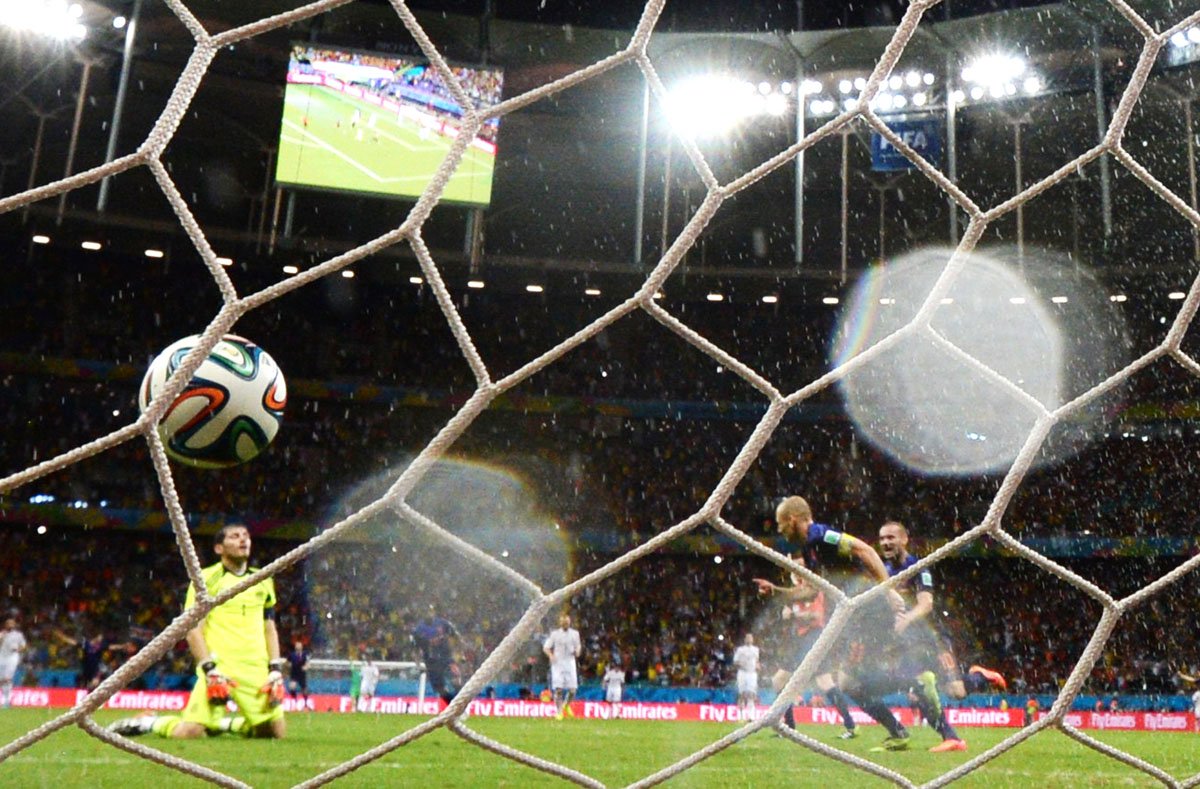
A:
<point x="616" y="444"/>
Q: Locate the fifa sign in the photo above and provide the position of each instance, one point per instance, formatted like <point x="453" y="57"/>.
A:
<point x="923" y="136"/>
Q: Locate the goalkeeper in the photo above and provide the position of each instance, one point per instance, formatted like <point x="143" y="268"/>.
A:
<point x="236" y="648"/>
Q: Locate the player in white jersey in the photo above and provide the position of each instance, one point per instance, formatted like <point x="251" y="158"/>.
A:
<point x="12" y="644"/>
<point x="562" y="646"/>
<point x="745" y="658"/>
<point x="369" y="679"/>
<point x="1196" y="711"/>
<point x="613" y="682"/>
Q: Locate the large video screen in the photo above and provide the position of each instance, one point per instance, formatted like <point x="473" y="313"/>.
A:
<point x="382" y="124"/>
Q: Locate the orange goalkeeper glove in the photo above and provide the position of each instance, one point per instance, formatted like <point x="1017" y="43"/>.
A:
<point x="274" y="689"/>
<point x="217" y="684"/>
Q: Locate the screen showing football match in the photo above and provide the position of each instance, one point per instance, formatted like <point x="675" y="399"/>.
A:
<point x="381" y="124"/>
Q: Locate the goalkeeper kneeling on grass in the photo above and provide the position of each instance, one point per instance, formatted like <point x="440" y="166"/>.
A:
<point x="236" y="648"/>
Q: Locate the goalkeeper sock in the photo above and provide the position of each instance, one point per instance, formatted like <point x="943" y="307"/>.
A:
<point x="165" y="724"/>
<point x="838" y="699"/>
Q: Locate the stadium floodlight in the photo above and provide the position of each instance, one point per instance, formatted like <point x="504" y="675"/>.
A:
<point x="957" y="96"/>
<point x="119" y="22"/>
<point x="777" y="104"/>
<point x="764" y="87"/>
<point x="785" y="88"/>
<point x="534" y="288"/>
<point x="591" y="291"/>
<point x="770" y="299"/>
<point x="289" y="269"/>
<point x="416" y="281"/>
<point x="347" y="274"/>
<point x="475" y="284"/>
<point x="845" y="86"/>
<point x="810" y="87"/>
<point x="92" y="246"/>
<point x="928" y="78"/>
<point x="50" y="18"/>
<point x="156" y="254"/>
<point x="1176" y="295"/>
<point x="715" y="297"/>
<point x="41" y="239"/>
<point x="830" y="300"/>
<point x="1118" y="297"/>
<point x="711" y="105"/>
<point x="895" y="82"/>
<point x="912" y="79"/>
<point x="859" y="83"/>
<point x="994" y="69"/>
<point x="919" y="99"/>
<point x="1058" y="299"/>
<point x="1032" y="84"/>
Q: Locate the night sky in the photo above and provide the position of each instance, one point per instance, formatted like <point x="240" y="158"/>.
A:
<point x="732" y="15"/>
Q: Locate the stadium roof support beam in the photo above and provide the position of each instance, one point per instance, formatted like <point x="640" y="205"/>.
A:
<point x="114" y="128"/>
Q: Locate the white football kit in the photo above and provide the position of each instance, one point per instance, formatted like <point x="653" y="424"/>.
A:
<point x="564" y="645"/>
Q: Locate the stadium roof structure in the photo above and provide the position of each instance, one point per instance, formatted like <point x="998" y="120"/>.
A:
<point x="566" y="179"/>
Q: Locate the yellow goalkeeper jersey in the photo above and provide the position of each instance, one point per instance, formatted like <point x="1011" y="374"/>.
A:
<point x="233" y="630"/>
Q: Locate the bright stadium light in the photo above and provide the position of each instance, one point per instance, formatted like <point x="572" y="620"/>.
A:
<point x="591" y="291"/>
<point x="91" y="246"/>
<point x="289" y="269"/>
<point x="1176" y="295"/>
<point x="475" y="284"/>
<point x="416" y="281"/>
<point x="845" y="86"/>
<point x="912" y="79"/>
<point x="534" y="288"/>
<point x="41" y="239"/>
<point x="770" y="299"/>
<point x="777" y="104"/>
<point x="711" y="105"/>
<point x="715" y="297"/>
<point x="226" y="262"/>
<point x="50" y="18"/>
<point x="998" y="75"/>
<point x="157" y="254"/>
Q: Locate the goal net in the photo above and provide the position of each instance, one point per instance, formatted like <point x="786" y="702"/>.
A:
<point x="860" y="111"/>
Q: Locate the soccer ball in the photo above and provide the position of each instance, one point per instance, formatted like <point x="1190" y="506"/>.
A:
<point x="228" y="412"/>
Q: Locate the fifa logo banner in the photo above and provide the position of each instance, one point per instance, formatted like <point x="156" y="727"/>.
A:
<point x="923" y="136"/>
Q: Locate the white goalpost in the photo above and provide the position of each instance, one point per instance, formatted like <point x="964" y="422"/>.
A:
<point x="404" y="667"/>
<point x="777" y="400"/>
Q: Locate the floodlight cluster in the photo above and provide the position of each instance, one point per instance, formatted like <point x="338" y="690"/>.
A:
<point x="50" y="18"/>
<point x="998" y="76"/>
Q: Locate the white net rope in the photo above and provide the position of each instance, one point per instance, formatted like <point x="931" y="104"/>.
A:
<point x="149" y="154"/>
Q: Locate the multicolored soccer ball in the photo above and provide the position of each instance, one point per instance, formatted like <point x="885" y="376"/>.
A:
<point x="228" y="412"/>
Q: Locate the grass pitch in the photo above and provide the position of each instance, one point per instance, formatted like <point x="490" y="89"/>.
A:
<point x="614" y="752"/>
<point x="320" y="147"/>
